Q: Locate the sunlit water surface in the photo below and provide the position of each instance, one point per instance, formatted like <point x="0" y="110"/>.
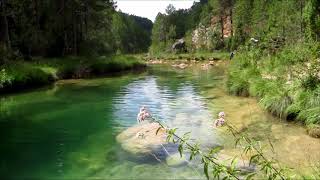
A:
<point x="69" y="130"/>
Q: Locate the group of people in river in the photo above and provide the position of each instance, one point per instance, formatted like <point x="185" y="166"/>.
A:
<point x="144" y="114"/>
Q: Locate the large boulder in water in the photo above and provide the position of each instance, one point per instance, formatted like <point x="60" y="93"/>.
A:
<point x="145" y="143"/>
<point x="142" y="138"/>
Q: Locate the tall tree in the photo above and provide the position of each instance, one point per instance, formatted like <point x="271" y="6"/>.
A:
<point x="5" y="44"/>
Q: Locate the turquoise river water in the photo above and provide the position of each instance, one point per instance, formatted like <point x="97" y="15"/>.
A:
<point x="68" y="130"/>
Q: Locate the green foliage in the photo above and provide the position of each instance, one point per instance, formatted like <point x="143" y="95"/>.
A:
<point x="132" y="34"/>
<point x="306" y="106"/>
<point x="116" y="64"/>
<point x="76" y="27"/>
<point x="4" y="78"/>
<point x="237" y="84"/>
<point x="198" y="56"/>
<point x="311" y="16"/>
<point x="242" y="73"/>
<point x="277" y="102"/>
<point x="22" y="74"/>
<point x="311" y="82"/>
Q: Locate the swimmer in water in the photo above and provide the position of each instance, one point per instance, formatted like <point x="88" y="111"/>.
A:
<point x="220" y="122"/>
<point x="143" y="114"/>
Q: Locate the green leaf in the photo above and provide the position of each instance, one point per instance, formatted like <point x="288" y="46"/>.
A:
<point x="169" y="137"/>
<point x="191" y="156"/>
<point x="271" y="145"/>
<point x="250" y="176"/>
<point x="234" y="163"/>
<point x="254" y="158"/>
<point x="180" y="149"/>
<point x="225" y="177"/>
<point x="237" y="142"/>
<point x="214" y="150"/>
<point x="205" y="169"/>
<point x="174" y="141"/>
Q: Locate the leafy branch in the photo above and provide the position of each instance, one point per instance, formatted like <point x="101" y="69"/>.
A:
<point x="269" y="167"/>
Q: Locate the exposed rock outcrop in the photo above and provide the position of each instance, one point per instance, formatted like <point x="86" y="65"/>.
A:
<point x="220" y="27"/>
<point x="179" y="45"/>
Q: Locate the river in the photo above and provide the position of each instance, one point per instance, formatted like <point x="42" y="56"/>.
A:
<point x="68" y="130"/>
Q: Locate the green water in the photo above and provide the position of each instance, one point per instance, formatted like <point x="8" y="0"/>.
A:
<point x="68" y="130"/>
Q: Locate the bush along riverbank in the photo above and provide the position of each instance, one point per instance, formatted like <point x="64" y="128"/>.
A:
<point x="286" y="82"/>
<point x="18" y="75"/>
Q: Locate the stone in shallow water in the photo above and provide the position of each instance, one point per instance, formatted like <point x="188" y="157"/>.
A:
<point x="142" y="138"/>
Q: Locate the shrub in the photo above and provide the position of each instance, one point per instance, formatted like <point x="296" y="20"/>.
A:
<point x="310" y="82"/>
<point x="4" y="78"/>
<point x="237" y="85"/>
<point x="277" y="104"/>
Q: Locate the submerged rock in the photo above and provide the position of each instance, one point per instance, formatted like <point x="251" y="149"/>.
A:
<point x="181" y="65"/>
<point x="148" y="147"/>
<point x="142" y="138"/>
<point x="176" y="160"/>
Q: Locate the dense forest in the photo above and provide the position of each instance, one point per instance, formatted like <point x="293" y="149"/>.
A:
<point x="68" y="27"/>
<point x="43" y="41"/>
<point x="275" y="45"/>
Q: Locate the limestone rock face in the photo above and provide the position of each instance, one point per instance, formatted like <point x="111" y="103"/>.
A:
<point x="219" y="28"/>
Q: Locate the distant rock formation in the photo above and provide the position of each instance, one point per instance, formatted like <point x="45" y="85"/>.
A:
<point x="179" y="45"/>
<point x="220" y="27"/>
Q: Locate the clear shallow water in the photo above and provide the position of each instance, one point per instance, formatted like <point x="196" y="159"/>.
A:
<point x="68" y="130"/>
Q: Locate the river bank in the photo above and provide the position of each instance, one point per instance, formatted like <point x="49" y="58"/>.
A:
<point x="287" y="84"/>
<point x="20" y="75"/>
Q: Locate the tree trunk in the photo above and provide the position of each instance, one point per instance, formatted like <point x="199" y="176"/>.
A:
<point x="4" y="28"/>
<point x="74" y="32"/>
<point x="231" y="23"/>
<point x="301" y="17"/>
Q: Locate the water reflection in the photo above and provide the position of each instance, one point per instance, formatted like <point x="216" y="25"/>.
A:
<point x="183" y="108"/>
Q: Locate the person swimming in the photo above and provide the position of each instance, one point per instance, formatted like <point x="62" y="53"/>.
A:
<point x="220" y="122"/>
<point x="143" y="114"/>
